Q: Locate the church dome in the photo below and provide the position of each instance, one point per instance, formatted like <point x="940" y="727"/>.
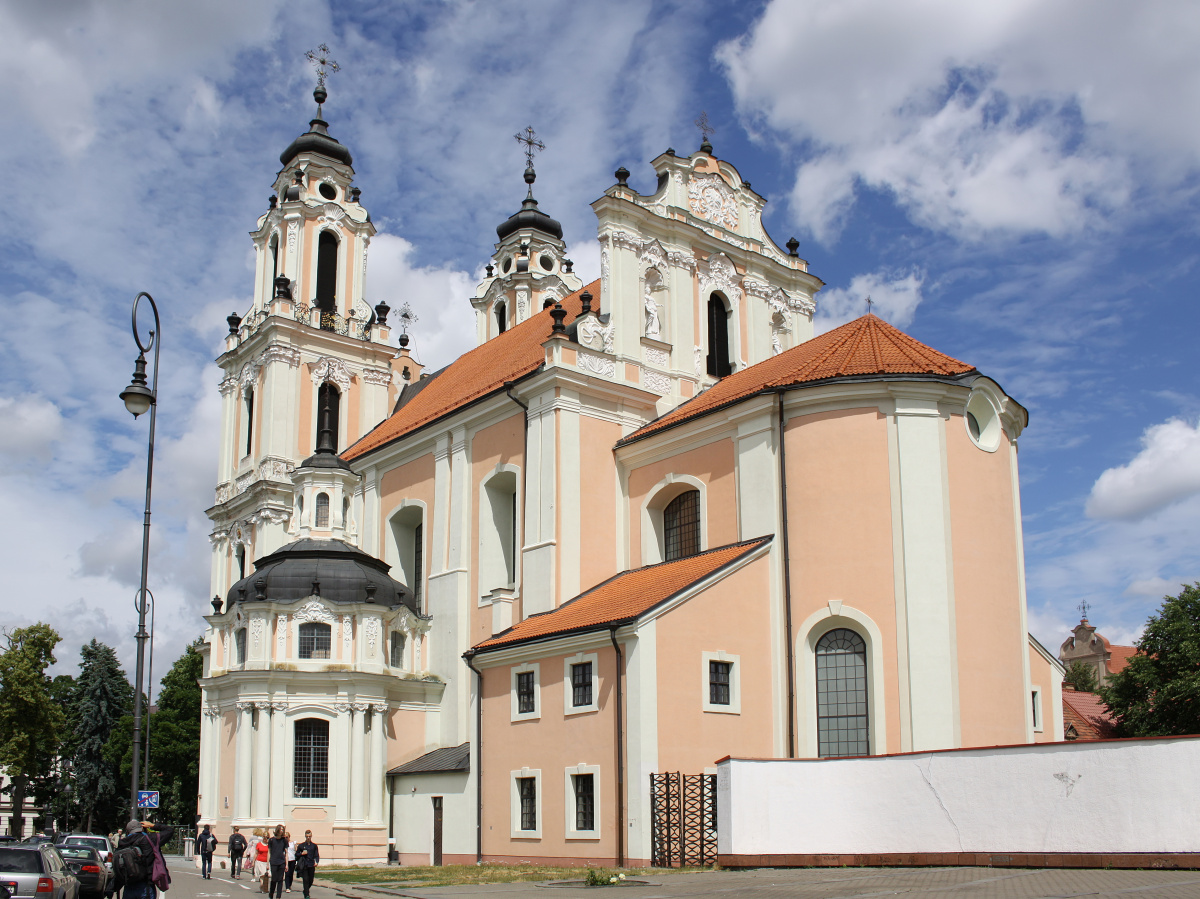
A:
<point x="529" y="216"/>
<point x="316" y="139"/>
<point x="331" y="569"/>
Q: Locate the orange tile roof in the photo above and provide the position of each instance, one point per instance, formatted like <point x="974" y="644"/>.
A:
<point x="623" y="597"/>
<point x="1089" y="714"/>
<point x="475" y="374"/>
<point x="1119" y="657"/>
<point x="864" y="347"/>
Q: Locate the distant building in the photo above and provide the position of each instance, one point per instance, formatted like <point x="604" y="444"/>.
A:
<point x="1087" y="645"/>
<point x="10" y="825"/>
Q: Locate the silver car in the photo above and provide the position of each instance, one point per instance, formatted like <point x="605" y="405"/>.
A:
<point x="36" y="871"/>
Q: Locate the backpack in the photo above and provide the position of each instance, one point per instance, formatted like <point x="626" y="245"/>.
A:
<point x="130" y="865"/>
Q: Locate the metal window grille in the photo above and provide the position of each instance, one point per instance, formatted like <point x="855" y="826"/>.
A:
<point x="527" y="789"/>
<point x="683" y="819"/>
<point x="311" y="760"/>
<point x="315" y="641"/>
<point x="718" y="682"/>
<point x="842" y="695"/>
<point x="585" y="801"/>
<point x="681" y="526"/>
<point x="418" y="563"/>
<point x="581" y="684"/>
<point x="322" y="518"/>
<point x="525" y="700"/>
<point x="397" y="651"/>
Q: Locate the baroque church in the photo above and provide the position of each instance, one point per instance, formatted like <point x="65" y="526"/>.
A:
<point x="646" y="523"/>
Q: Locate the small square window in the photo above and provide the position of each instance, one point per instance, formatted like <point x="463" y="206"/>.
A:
<point x="581" y="684"/>
<point x="718" y="682"/>
<point x="525" y="692"/>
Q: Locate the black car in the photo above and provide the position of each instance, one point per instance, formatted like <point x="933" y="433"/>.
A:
<point x="89" y="869"/>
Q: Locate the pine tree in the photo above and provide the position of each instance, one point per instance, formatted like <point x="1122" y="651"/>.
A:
<point x="103" y="696"/>
<point x="174" y="762"/>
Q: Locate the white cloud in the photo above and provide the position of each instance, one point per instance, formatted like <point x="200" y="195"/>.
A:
<point x="894" y="298"/>
<point x="33" y="425"/>
<point x="979" y="118"/>
<point x="1165" y="471"/>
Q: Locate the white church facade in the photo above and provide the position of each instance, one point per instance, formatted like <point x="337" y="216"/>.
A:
<point x="646" y="523"/>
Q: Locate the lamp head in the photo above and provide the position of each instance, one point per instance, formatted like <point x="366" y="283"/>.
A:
<point x="137" y="396"/>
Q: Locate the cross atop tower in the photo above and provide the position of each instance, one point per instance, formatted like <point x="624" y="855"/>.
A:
<point x="528" y="137"/>
<point x="870" y="303"/>
<point x="1083" y="609"/>
<point x="706" y="129"/>
<point x="323" y="64"/>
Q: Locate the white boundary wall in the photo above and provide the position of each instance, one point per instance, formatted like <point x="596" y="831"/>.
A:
<point x="1116" y="796"/>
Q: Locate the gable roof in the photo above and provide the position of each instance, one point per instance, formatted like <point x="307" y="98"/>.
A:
<point x="1119" y="657"/>
<point x="624" y="596"/>
<point x="448" y="758"/>
<point x="1088" y="713"/>
<point x="472" y="376"/>
<point x="864" y="348"/>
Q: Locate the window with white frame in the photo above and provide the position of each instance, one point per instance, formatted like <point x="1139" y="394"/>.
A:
<point x="673" y="523"/>
<point x="526" y="692"/>
<point x="1036" y="699"/>
<point x="408" y="548"/>
<point x="310" y="765"/>
<point x="498" y="532"/>
<point x="396" y="654"/>
<point x="239" y="642"/>
<point x="525" y="796"/>
<point x="842" y="703"/>
<point x="316" y="640"/>
<point x="721" y="682"/>
<point x="581" y="683"/>
<point x="581" y="789"/>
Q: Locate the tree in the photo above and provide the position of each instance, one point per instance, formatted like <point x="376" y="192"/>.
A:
<point x="31" y="723"/>
<point x="1158" y="692"/>
<point x="1081" y="676"/>
<point x="103" y="696"/>
<point x="173" y="765"/>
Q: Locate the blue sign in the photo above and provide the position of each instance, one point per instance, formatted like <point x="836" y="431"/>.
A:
<point x="147" y="798"/>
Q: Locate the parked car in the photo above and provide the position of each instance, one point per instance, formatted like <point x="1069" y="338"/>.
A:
<point x="99" y="842"/>
<point x="36" y="871"/>
<point x="95" y="879"/>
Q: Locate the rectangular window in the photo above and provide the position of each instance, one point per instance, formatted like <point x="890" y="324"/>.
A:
<point x="585" y="801"/>
<point x="239" y="640"/>
<point x="315" y="641"/>
<point x="525" y="700"/>
<point x="397" y="650"/>
<point x="718" y="682"/>
<point x="527" y="789"/>
<point x="311" y="760"/>
<point x="581" y="684"/>
<point x="418" y="559"/>
<point x="1036" y="697"/>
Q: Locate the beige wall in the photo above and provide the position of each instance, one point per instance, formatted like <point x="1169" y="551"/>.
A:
<point x="599" y="556"/>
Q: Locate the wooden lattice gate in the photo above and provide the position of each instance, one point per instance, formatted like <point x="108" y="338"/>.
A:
<point x="683" y="820"/>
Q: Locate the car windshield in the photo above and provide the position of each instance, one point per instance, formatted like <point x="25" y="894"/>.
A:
<point x="78" y="852"/>
<point x="20" y="861"/>
<point x="98" y="842"/>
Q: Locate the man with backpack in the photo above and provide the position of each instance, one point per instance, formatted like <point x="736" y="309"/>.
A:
<point x="237" y="848"/>
<point x="138" y="861"/>
<point x="206" y="845"/>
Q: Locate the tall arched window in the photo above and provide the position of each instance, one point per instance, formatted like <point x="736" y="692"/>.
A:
<point x="501" y="318"/>
<point x="681" y="526"/>
<point x="408" y="543"/>
<point x="498" y="532"/>
<point x="274" y="263"/>
<point x="249" y="421"/>
<point x="321" y="518"/>
<point x="718" y="337"/>
<point x="239" y="643"/>
<point x="310" y="779"/>
<point x="240" y="555"/>
<point x="327" y="259"/>
<point x="328" y="393"/>
<point x="315" y="640"/>
<point x="842" y="695"/>
<point x="396" y="655"/>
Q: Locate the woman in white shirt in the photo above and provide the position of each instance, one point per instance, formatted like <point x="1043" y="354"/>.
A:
<point x="291" y="863"/>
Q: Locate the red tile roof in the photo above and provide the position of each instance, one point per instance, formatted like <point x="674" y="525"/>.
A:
<point x="864" y="347"/>
<point x="624" y="596"/>
<point x="1089" y="714"/>
<point x="475" y="374"/>
<point x="1119" y="657"/>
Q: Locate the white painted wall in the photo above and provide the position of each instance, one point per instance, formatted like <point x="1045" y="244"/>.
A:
<point x="1127" y="796"/>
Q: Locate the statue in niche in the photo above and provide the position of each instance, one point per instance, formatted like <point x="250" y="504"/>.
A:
<point x="653" y="327"/>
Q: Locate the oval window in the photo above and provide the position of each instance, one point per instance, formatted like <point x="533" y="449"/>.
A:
<point x="982" y="421"/>
<point x="328" y="191"/>
<point x="507" y="266"/>
<point x="546" y="262"/>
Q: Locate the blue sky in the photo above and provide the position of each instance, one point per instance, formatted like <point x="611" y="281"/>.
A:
<point x="1014" y="183"/>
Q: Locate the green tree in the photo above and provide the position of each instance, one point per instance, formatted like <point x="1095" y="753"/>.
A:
<point x="31" y="723"/>
<point x="174" y="762"/>
<point x="1081" y="676"/>
<point x="103" y="696"/>
<point x="1158" y="692"/>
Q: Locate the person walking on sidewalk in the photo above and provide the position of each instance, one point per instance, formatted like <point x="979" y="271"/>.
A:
<point x="206" y="845"/>
<point x="307" y="859"/>
<point x="237" y="848"/>
<point x="277" y="847"/>
<point x="291" y="863"/>
<point x="262" y="867"/>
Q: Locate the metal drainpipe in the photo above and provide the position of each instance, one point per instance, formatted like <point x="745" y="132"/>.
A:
<point x="612" y="635"/>
<point x="467" y="657"/>
<point x="787" y="591"/>
<point x="392" y="818"/>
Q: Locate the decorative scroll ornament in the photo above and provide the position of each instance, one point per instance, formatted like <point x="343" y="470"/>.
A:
<point x="591" y="331"/>
<point x="380" y="377"/>
<point x="371" y="631"/>
<point x="522" y="303"/>
<point x="331" y="214"/>
<point x="279" y="352"/>
<point x="361" y="707"/>
<point x="719" y="274"/>
<point x="244" y="706"/>
<point x="713" y="200"/>
<point x="329" y="369"/>
<point x="346" y="627"/>
<point x="256" y="632"/>
<point x="276" y="468"/>
<point x="778" y="298"/>
<point x="279" y="706"/>
<point x="342" y="708"/>
<point x="314" y="611"/>
<point x="280" y="634"/>
<point x="228" y="385"/>
<point x="601" y="365"/>
<point x="655" y="356"/>
<point x="293" y="234"/>
<point x="248" y="376"/>
<point x="605" y="276"/>
<point x="699" y="354"/>
<point x="656" y="381"/>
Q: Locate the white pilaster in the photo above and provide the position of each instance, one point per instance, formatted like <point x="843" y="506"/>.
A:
<point x="568" y="484"/>
<point x="641" y="668"/>
<point x="280" y="768"/>
<point x="262" y="763"/>
<point x="358" y="761"/>
<point x="538" y="554"/>
<point x="245" y="758"/>
<point x="340" y="760"/>
<point x="378" y="764"/>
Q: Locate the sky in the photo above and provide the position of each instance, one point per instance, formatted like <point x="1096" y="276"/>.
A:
<point x="1014" y="183"/>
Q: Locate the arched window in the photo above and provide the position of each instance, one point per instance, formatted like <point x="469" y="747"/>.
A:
<point x="239" y="643"/>
<point x="315" y="640"/>
<point x="681" y="526"/>
<point x="327" y="259"/>
<point x="501" y="318"/>
<point x="274" y="263"/>
<point x="328" y="393"/>
<point x="249" y="421"/>
<point x="240" y="554"/>
<point x="498" y="533"/>
<point x="321" y="519"/>
<point x="408" y="543"/>
<point x="396" y="656"/>
<point x="718" y="337"/>
<point x="842" y="695"/>
<point x="310" y="778"/>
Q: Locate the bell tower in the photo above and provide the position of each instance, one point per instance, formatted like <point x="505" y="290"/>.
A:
<point x="309" y="344"/>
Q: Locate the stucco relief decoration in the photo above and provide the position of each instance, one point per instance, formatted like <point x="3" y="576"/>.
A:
<point x="228" y="385"/>
<point x="600" y="365"/>
<point x="371" y="632"/>
<point x="242" y="484"/>
<point x="224" y="492"/>
<point x="346" y="629"/>
<point x="699" y="359"/>
<point x="605" y="276"/>
<point x="342" y="707"/>
<point x="329" y="369"/>
<point x="244" y="706"/>
<point x="293" y="234"/>
<point x="279" y="706"/>
<point x="276" y="468"/>
<point x="380" y="377"/>
<point x="713" y="200"/>
<point x="361" y="311"/>
<point x="280" y="634"/>
<point x="719" y="274"/>
<point x="361" y="707"/>
<point x="248" y="376"/>
<point x="212" y="711"/>
<point x="331" y="214"/>
<point x="279" y="352"/>
<point x="653" y="325"/>
<point x="314" y="611"/>
<point x="656" y="381"/>
<point x="522" y="303"/>
<point x="256" y="632"/>
<point x="656" y="356"/>
<point x="592" y="331"/>
<point x="366" y="242"/>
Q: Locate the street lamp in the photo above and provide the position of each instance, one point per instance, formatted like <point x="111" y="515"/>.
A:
<point x="139" y="398"/>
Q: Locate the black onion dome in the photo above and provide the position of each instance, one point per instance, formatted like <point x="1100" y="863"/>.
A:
<point x="342" y="573"/>
<point x="329" y="459"/>
<point x="529" y="216"/>
<point x="316" y="140"/>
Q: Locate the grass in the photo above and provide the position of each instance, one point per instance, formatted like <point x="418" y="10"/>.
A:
<point x="455" y="875"/>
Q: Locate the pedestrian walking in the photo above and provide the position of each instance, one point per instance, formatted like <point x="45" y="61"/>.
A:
<point x="237" y="848"/>
<point x="206" y="845"/>
<point x="262" y="867"/>
<point x="277" y="847"/>
<point x="291" y="863"/>
<point x="138" y="861"/>
<point x="307" y="859"/>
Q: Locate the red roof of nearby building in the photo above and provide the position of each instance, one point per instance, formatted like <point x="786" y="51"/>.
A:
<point x="1119" y="657"/>
<point x="475" y="374"/>
<point x="624" y="596"/>
<point x="864" y="347"/>
<point x="1089" y="714"/>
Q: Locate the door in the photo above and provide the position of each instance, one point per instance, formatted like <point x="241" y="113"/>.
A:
<point x="437" y="831"/>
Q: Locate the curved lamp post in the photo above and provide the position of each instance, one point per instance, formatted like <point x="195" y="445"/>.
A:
<point x="139" y="398"/>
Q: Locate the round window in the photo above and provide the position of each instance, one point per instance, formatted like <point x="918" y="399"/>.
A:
<point x="982" y="421"/>
<point x="507" y="266"/>
<point x="328" y="191"/>
<point x="546" y="262"/>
